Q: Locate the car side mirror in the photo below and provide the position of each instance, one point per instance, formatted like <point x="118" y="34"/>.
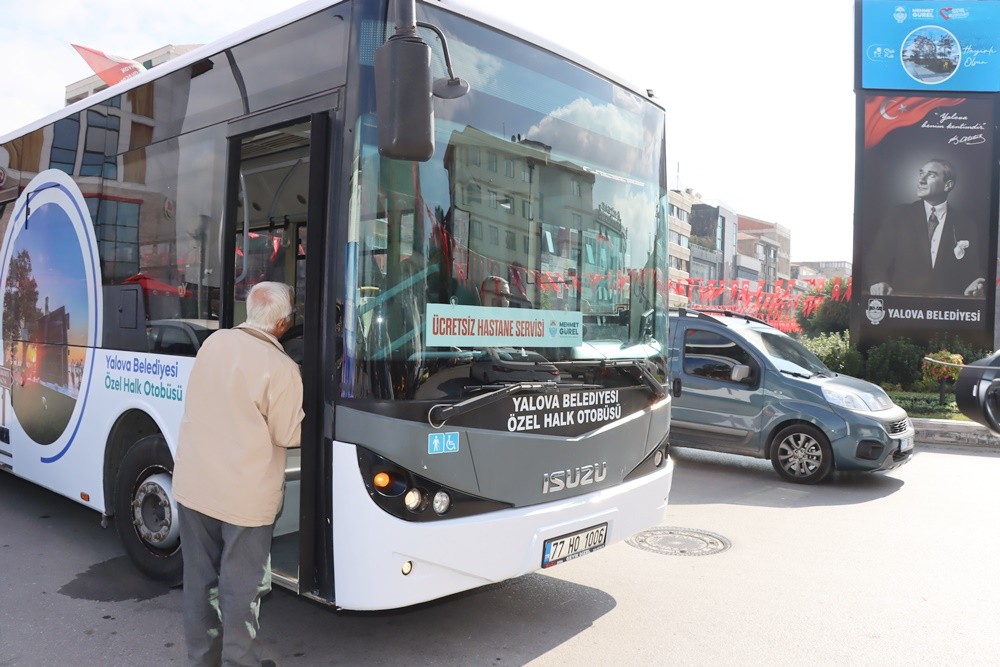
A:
<point x="740" y="373"/>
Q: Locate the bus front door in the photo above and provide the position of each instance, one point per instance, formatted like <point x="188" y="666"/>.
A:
<point x="273" y="212"/>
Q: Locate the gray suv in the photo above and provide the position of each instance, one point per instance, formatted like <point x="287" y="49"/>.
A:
<point x="741" y="386"/>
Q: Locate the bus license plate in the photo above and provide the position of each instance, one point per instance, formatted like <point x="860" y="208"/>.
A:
<point x="574" y="545"/>
<point x="905" y="444"/>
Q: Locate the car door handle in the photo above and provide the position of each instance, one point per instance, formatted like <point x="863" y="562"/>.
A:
<point x="677" y="387"/>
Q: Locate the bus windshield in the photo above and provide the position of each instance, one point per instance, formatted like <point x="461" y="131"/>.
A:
<point x="529" y="246"/>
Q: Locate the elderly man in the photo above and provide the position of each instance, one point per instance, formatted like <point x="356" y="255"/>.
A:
<point x="242" y="412"/>
<point x="928" y="247"/>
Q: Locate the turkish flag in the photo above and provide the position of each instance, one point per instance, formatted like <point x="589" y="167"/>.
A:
<point x="111" y="69"/>
<point x="883" y="114"/>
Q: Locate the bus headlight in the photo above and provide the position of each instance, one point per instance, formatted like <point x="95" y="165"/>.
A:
<point x="407" y="495"/>
<point x="414" y="500"/>
<point x="441" y="502"/>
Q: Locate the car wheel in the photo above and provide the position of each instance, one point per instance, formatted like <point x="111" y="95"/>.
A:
<point x="146" y="512"/>
<point x="801" y="453"/>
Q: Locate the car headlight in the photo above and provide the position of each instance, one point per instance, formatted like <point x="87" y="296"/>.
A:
<point x="851" y="399"/>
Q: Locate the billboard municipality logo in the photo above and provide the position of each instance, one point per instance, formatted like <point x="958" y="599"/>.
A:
<point x="876" y="311"/>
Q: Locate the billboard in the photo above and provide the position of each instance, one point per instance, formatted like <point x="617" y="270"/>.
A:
<point x="932" y="46"/>
<point x="925" y="239"/>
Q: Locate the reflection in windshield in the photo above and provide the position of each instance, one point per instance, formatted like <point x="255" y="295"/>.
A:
<point x="545" y="185"/>
<point x="783" y="348"/>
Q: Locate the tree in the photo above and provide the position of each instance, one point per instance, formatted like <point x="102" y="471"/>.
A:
<point x="834" y="349"/>
<point x="897" y="361"/>
<point x="831" y="316"/>
<point x="942" y="367"/>
<point x="20" y="299"/>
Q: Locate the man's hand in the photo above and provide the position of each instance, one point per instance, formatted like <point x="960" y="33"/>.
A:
<point x="975" y="288"/>
<point x="881" y="289"/>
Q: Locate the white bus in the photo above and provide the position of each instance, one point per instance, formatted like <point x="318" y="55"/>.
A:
<point x="387" y="159"/>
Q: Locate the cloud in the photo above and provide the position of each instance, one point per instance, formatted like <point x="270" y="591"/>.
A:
<point x="588" y="129"/>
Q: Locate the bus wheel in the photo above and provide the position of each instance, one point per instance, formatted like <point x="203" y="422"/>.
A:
<point x="146" y="512"/>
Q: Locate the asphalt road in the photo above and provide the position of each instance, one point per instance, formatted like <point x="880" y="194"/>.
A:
<point x="896" y="569"/>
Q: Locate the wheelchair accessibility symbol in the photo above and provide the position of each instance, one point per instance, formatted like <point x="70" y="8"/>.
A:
<point x="442" y="443"/>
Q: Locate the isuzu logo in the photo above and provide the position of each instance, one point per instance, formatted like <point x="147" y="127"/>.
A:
<point x="560" y="480"/>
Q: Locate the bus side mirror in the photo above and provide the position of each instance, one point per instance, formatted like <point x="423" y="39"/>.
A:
<point x="404" y="108"/>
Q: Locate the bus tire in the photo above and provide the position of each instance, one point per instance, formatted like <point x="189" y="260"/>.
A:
<point x="146" y="512"/>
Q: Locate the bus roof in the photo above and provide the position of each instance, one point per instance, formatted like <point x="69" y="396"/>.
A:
<point x="291" y="15"/>
<point x="263" y="26"/>
<point x="478" y="13"/>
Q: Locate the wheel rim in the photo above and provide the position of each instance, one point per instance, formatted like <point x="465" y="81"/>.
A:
<point x="154" y="512"/>
<point x="800" y="455"/>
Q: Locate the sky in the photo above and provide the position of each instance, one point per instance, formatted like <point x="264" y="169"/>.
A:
<point x="759" y="96"/>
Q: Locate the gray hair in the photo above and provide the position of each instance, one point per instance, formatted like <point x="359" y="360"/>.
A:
<point x="267" y="304"/>
<point x="947" y="168"/>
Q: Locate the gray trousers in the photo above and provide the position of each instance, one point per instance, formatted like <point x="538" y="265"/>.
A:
<point x="227" y="569"/>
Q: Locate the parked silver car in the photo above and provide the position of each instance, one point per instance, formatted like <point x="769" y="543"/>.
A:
<point x="179" y="336"/>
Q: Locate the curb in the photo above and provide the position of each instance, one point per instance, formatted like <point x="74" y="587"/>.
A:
<point x="949" y="432"/>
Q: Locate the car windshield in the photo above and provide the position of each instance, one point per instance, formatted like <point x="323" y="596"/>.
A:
<point x="538" y="226"/>
<point x="788" y="354"/>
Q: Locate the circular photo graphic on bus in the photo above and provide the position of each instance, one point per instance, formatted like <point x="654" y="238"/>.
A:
<point x="51" y="320"/>
<point x="931" y="55"/>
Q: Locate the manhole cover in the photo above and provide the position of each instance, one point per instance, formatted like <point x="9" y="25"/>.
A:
<point x="679" y="541"/>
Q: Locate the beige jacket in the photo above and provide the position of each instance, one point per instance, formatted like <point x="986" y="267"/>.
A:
<point x="242" y="410"/>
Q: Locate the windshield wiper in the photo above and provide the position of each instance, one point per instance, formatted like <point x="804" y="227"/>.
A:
<point x="796" y="374"/>
<point x="442" y="412"/>
<point x="646" y="377"/>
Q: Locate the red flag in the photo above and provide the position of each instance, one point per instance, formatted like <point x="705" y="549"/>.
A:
<point x="111" y="69"/>
<point x="883" y="114"/>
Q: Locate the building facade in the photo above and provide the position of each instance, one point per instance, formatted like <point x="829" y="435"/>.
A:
<point x="771" y="235"/>
<point x="679" y="246"/>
